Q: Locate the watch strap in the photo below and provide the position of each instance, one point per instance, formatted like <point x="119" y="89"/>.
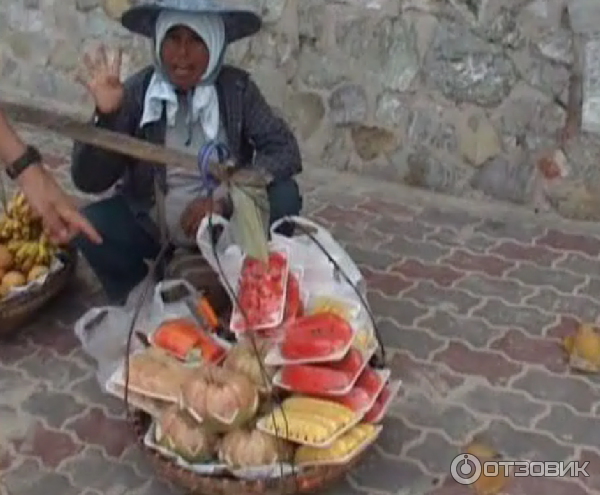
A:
<point x="31" y="156"/>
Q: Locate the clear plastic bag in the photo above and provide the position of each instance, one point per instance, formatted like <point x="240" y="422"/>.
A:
<point x="102" y="331"/>
<point x="306" y="253"/>
<point x="103" y="336"/>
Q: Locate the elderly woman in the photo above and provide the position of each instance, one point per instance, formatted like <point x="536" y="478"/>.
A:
<point x="188" y="97"/>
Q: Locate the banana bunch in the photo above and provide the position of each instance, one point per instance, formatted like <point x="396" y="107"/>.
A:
<point x="341" y="449"/>
<point x="27" y="254"/>
<point x="306" y="420"/>
<point x="19" y="222"/>
<point x="327" y="304"/>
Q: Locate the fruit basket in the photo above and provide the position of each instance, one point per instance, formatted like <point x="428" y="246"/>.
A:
<point x="32" y="270"/>
<point x="218" y="412"/>
<point x="272" y="386"/>
<point x="20" y="309"/>
<point x="309" y="481"/>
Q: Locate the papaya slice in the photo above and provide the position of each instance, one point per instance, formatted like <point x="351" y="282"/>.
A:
<point x="293" y="303"/>
<point x="177" y="336"/>
<point x="313" y="379"/>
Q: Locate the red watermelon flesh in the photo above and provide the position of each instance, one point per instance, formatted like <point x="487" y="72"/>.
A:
<point x="315" y="337"/>
<point x="350" y="364"/>
<point x="378" y="406"/>
<point x="313" y="379"/>
<point x="356" y="400"/>
<point x="370" y="381"/>
<point x="321" y="325"/>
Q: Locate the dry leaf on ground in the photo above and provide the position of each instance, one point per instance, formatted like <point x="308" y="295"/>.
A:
<point x="487" y="484"/>
<point x="583" y="349"/>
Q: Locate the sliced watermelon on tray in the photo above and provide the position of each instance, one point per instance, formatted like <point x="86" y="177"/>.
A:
<point x="315" y="336"/>
<point x="369" y="380"/>
<point x="357" y="399"/>
<point x="313" y="379"/>
<point x="351" y="364"/>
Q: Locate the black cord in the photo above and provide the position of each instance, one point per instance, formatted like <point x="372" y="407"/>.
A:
<point x="147" y="287"/>
<point x="264" y="375"/>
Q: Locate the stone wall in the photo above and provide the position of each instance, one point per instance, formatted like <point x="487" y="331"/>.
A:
<point x="466" y="97"/>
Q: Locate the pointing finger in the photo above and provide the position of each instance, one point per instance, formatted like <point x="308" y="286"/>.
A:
<point x="77" y="223"/>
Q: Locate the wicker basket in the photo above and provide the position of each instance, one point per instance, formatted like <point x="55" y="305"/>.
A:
<point x="308" y="482"/>
<point x="19" y="310"/>
<point x="205" y="279"/>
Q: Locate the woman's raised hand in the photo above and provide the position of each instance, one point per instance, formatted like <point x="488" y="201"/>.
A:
<point x="103" y="79"/>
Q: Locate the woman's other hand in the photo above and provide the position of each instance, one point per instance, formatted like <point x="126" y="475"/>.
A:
<point x="103" y="79"/>
<point x="195" y="211"/>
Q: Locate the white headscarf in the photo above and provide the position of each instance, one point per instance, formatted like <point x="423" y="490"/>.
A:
<point x="205" y="103"/>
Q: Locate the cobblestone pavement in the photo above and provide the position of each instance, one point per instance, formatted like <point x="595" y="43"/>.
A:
<point x="471" y="305"/>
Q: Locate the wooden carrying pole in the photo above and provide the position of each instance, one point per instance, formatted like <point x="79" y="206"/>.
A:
<point x="47" y="115"/>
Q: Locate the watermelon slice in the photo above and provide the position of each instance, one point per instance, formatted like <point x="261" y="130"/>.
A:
<point x="320" y="325"/>
<point x="309" y="349"/>
<point x="351" y="364"/>
<point x="375" y="412"/>
<point x="370" y="381"/>
<point x="315" y="337"/>
<point x="357" y="399"/>
<point x="313" y="379"/>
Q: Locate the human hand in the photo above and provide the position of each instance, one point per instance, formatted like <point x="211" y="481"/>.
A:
<point x="103" y="80"/>
<point x="61" y="218"/>
<point x="195" y="211"/>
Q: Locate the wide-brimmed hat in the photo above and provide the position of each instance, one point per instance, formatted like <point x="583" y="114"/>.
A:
<point x="239" y="22"/>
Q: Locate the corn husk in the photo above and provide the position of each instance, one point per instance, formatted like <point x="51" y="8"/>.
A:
<point x="249" y="221"/>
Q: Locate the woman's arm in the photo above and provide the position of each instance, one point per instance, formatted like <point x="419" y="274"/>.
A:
<point x="94" y="170"/>
<point x="59" y="214"/>
<point x="11" y="146"/>
<point x="277" y="150"/>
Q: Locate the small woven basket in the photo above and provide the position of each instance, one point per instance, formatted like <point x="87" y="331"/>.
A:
<point x="20" y="310"/>
<point x="308" y="481"/>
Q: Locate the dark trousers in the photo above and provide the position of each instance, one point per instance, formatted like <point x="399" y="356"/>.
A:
<point x="120" y="262"/>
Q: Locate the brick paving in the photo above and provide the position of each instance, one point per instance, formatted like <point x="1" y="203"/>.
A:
<point x="472" y="303"/>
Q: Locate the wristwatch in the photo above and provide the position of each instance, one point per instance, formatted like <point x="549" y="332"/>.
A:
<point x="30" y="157"/>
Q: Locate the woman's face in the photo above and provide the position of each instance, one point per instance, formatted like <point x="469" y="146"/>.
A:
<point x="184" y="57"/>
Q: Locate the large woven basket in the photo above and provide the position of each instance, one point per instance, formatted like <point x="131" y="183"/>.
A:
<point x="20" y="310"/>
<point x="308" y="481"/>
<point x="205" y="279"/>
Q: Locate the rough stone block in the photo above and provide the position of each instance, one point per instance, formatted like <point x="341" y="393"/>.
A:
<point x="87" y="5"/>
<point x="477" y="139"/>
<point x="585" y="16"/>
<point x="591" y="86"/>
<point x="466" y="68"/>
<point x="388" y="54"/>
